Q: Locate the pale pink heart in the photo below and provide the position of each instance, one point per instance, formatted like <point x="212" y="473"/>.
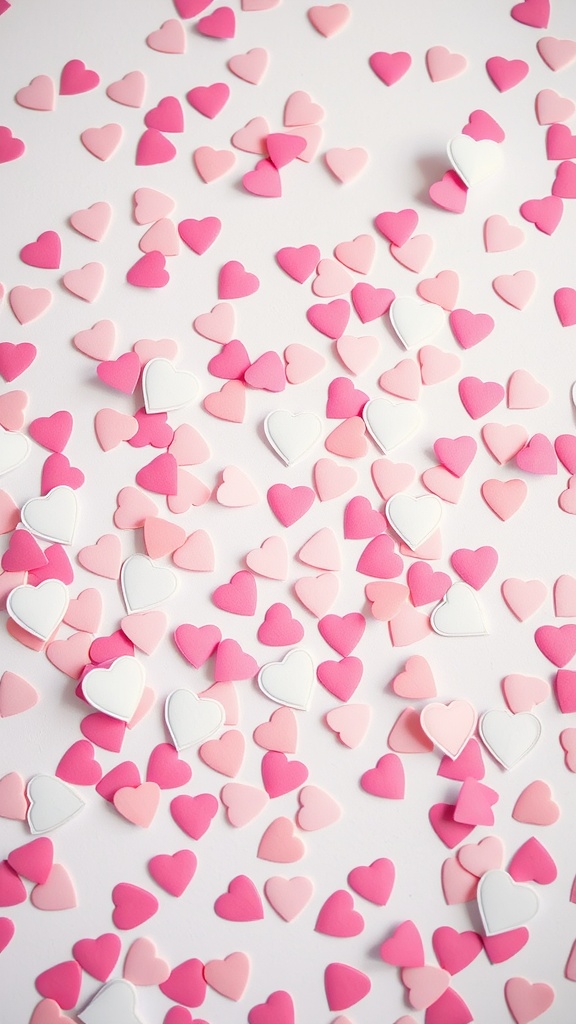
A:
<point x="86" y="282"/>
<point x="102" y="142"/>
<point x="188" y="446"/>
<point x="414" y="253"/>
<point x="524" y="597"/>
<point x="143" y="966"/>
<point x="504" y="497"/>
<point x="225" y="754"/>
<point x="443" y="483"/>
<point x="317" y="809"/>
<point x="458" y="885"/>
<point x="259" y="5"/>
<point x="103" y="558"/>
<point x="528" y="1000"/>
<point x="515" y="289"/>
<point x="16" y="695"/>
<point x="133" y="506"/>
<point x="416" y="681"/>
<point x="212" y="164"/>
<point x="39" y="95"/>
<point x="280" y="733"/>
<point x="523" y="693"/>
<point x="236" y="489"/>
<point x="322" y="551"/>
<point x="392" y="477"/>
<point x="56" y="893"/>
<point x="196" y="554"/>
<point x="317" y="593"/>
<point x="407" y="735"/>
<point x="270" y="559"/>
<point x="357" y="254"/>
<point x="13" y="802"/>
<point x="300" y="110"/>
<point x="442" y="290"/>
<point x="97" y="342"/>
<point x="288" y="896"/>
<point x="567" y="499"/>
<point x="565" y="597"/>
<point x="47" y="1011"/>
<point x="9" y="513"/>
<point x="12" y="408"/>
<point x="138" y="804"/>
<point x="163" y="237"/>
<point x="251" y="66"/>
<point x="243" y="803"/>
<point x="312" y="135"/>
<point x="570" y="969"/>
<point x="425" y="984"/>
<point x="28" y="304"/>
<point x="252" y="137"/>
<point x="145" y="629"/>
<point x="442" y="64"/>
<point x="129" y="90"/>
<point x="92" y="222"/>
<point x="449" y="726"/>
<point x="357" y="354"/>
<point x="72" y="654"/>
<point x="150" y="205"/>
<point x="169" y="38"/>
<point x="556" y="53"/>
<point x="504" y="442"/>
<point x="386" y="599"/>
<point x="230" y="976"/>
<point x="500" y="235"/>
<point x="9" y="580"/>
<point x="552" y="108"/>
<point x="403" y="380"/>
<point x="329" y="20"/>
<point x="437" y="365"/>
<point x="160" y="348"/>
<point x="280" y="843"/>
<point x="535" y="805"/>
<point x="113" y="427"/>
<point x="332" y="480"/>
<point x="525" y="392"/>
<point x="346" y="164"/>
<point x="350" y="723"/>
<point x="217" y="325"/>
<point x="191" y="492"/>
<point x="478" y="858"/>
<point x="331" y="280"/>
<point x="302" y="363"/>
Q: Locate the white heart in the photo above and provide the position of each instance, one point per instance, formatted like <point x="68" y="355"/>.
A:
<point x="503" y="903"/>
<point x="192" y="719"/>
<point x="52" y="803"/>
<point x="52" y="517"/>
<point x="391" y="423"/>
<point x="414" y="519"/>
<point x="474" y="161"/>
<point x="415" y="321"/>
<point x="114" y="1003"/>
<point x="14" y="448"/>
<point x="116" y="690"/>
<point x="458" y="613"/>
<point x="145" y="584"/>
<point x="290" y="681"/>
<point x="292" y="435"/>
<point x="38" y="609"/>
<point x="509" y="737"/>
<point x="165" y="388"/>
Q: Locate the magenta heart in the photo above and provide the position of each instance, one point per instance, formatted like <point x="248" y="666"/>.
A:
<point x="194" y="814"/>
<point x="10" y="147"/>
<point x="186" y="983"/>
<point x="153" y="148"/>
<point x="342" y="632"/>
<point x="451" y="832"/>
<point x="369" y="302"/>
<point x="106" y="648"/>
<point x="122" y="374"/>
<point x="105" y="732"/>
<point x="241" y="902"/>
<point x="132" y="905"/>
<point x="404" y="947"/>
<point x="231" y="363"/>
<point x="98" y="957"/>
<point x="173" y="872"/>
<point x="504" y="946"/>
<point x="199" y="235"/>
<point x="197" y="643"/>
<point x="7" y="929"/>
<point x="479" y="397"/>
<point x="449" y="1007"/>
<point x="45" y="252"/>
<point x="390" y="67"/>
<point x="14" y="359"/>
<point x="160" y="475"/>
<point x="386" y="779"/>
<point x="280" y="775"/>
<point x="300" y="262"/>
<point x="23" y="553"/>
<point x="380" y="560"/>
<point x="61" y="983"/>
<point x="468" y="764"/>
<point x="278" y="1009"/>
<point x="239" y="595"/>
<point x="149" y="271"/>
<point x="279" y="628"/>
<point x="58" y="566"/>
<point x="341" y="678"/>
<point x="374" y="882"/>
<point x="167" y="116"/>
<point x="361" y="520"/>
<point x="289" y="504"/>
<point x="264" y="180"/>
<point x="232" y="663"/>
<point x="152" y="429"/>
<point x="537" y="456"/>
<point x="557" y="643"/>
<point x="53" y="432"/>
<point x="166" y="769"/>
<point x="455" y="950"/>
<point x="426" y="585"/>
<point x="234" y="282"/>
<point x="119" y="777"/>
<point x="57" y="472"/>
<point x="12" y="891"/>
<point x="330" y="318"/>
<point x="533" y="863"/>
<point x="76" y="78"/>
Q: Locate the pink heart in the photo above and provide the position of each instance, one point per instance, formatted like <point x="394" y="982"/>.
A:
<point x="76" y="78"/>
<point x="132" y="905"/>
<point x="241" y="902"/>
<point x="390" y="67"/>
<point x="173" y="872"/>
<point x="230" y="976"/>
<point x="129" y="90"/>
<point x="337" y="916"/>
<point x="39" y="95"/>
<point x="169" y="38"/>
<point x="527" y="1000"/>
<point x="56" y="893"/>
<point x="288" y="896"/>
<point x="28" y="304"/>
<point x="102" y="142"/>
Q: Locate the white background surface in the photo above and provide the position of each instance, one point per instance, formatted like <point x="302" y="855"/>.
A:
<point x="405" y="129"/>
